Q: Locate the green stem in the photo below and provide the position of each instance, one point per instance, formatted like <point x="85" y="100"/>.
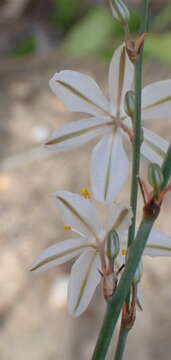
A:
<point x="136" y="251"/>
<point x="137" y="129"/>
<point x="137" y="134"/>
<point x="123" y="334"/>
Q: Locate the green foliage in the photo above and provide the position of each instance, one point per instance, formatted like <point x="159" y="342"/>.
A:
<point x="24" y="48"/>
<point x="159" y="46"/>
<point x="90" y="33"/>
<point x="64" y="11"/>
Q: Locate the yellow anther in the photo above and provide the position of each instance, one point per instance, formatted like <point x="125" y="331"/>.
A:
<point x="67" y="227"/>
<point x="85" y="193"/>
<point x="124" y="252"/>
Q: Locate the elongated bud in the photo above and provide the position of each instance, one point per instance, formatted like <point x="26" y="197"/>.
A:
<point x="130" y="103"/>
<point x="138" y="274"/>
<point x="120" y="11"/>
<point x="113" y="245"/>
<point x="155" y="176"/>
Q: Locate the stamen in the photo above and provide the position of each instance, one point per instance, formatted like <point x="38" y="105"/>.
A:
<point x="85" y="193"/>
<point x="67" y="227"/>
<point x="124" y="252"/>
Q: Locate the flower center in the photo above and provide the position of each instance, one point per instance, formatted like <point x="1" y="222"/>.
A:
<point x="124" y="252"/>
<point x="85" y="193"/>
<point x="67" y="227"/>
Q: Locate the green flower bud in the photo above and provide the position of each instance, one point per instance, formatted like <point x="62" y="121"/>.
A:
<point x="113" y="245"/>
<point x="155" y="176"/>
<point x="130" y="103"/>
<point x="120" y="11"/>
<point x="138" y="273"/>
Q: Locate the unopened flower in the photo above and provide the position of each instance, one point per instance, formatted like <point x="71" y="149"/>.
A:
<point x="80" y="216"/>
<point x="120" y="11"/>
<point x="109" y="162"/>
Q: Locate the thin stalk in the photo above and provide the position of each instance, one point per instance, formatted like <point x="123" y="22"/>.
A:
<point x="136" y="251"/>
<point x="137" y="131"/>
<point x="123" y="334"/>
<point x="137" y="143"/>
<point x="137" y="128"/>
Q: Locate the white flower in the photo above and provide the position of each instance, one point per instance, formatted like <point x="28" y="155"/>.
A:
<point x="80" y="216"/>
<point x="80" y="93"/>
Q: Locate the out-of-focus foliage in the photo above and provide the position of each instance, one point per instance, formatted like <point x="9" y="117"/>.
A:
<point x="80" y="27"/>
<point x="24" y="48"/>
<point x="91" y="33"/>
<point x="159" y="46"/>
<point x="64" y="12"/>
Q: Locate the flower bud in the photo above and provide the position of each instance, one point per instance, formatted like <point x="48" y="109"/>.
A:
<point x="120" y="11"/>
<point x="113" y="245"/>
<point x="155" y="176"/>
<point x="130" y="103"/>
<point x="138" y="273"/>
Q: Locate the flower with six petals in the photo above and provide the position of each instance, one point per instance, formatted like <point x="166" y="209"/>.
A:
<point x="109" y="162"/>
<point x="80" y="216"/>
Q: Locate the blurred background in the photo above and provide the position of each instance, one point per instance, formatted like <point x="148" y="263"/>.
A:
<point x="38" y="38"/>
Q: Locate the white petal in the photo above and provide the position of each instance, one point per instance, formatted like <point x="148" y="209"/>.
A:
<point x="121" y="74"/>
<point x="58" y="254"/>
<point x="78" y="133"/>
<point x="109" y="168"/>
<point x="154" y="147"/>
<point x="78" y="212"/>
<point x="156" y="101"/>
<point x="119" y="218"/>
<point x="158" y="244"/>
<point x="79" y="92"/>
<point x="83" y="281"/>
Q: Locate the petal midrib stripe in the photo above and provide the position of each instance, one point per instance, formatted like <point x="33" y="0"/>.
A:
<point x="77" y="133"/>
<point x="120" y="79"/>
<point x="76" y="213"/>
<point x="107" y="176"/>
<point x="82" y="96"/>
<point x="120" y="219"/>
<point x="84" y="283"/>
<point x="158" y="247"/>
<point x="159" y="102"/>
<point x="62" y="254"/>
<point x="155" y="148"/>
